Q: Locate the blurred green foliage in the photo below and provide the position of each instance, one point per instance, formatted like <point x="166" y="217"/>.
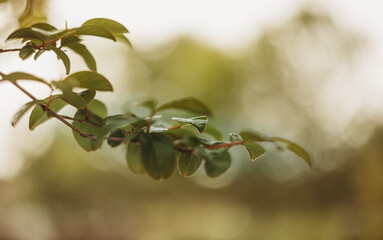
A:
<point x="75" y="195"/>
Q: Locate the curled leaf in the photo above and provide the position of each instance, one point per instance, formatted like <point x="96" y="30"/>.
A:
<point x="295" y="148"/>
<point x="198" y="122"/>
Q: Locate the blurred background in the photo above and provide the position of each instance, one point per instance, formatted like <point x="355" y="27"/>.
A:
<point x="309" y="71"/>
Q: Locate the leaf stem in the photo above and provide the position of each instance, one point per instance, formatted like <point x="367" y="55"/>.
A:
<point x="149" y="122"/>
<point x="182" y="149"/>
<point x="175" y="127"/>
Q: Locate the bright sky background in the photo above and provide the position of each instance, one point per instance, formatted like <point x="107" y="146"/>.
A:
<point x="225" y="24"/>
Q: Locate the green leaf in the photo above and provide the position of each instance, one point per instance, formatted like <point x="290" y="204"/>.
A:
<point x="44" y="26"/>
<point x="33" y="42"/>
<point x="133" y="158"/>
<point x="70" y="39"/>
<point x="214" y="132"/>
<point x="198" y="122"/>
<point x="187" y="104"/>
<point x="116" y="134"/>
<point x="208" y="141"/>
<point x="188" y="164"/>
<point x="217" y="163"/>
<point x="23" y="110"/>
<point x="254" y="149"/>
<point x="85" y="79"/>
<point x="61" y="55"/>
<point x="26" y="52"/>
<point x="38" y="116"/>
<point x="181" y="133"/>
<point x="111" y="25"/>
<point x="117" y="122"/>
<point x="97" y="107"/>
<point x="27" y="33"/>
<point x="122" y="38"/>
<point x="73" y="99"/>
<point x="38" y="54"/>
<point x="88" y="95"/>
<point x="158" y="155"/>
<point x="58" y="35"/>
<point x="81" y="50"/>
<point x="78" y="100"/>
<point x="253" y="136"/>
<point x="295" y="148"/>
<point x="150" y="103"/>
<point x="13" y="77"/>
<point x="140" y="123"/>
<point x="85" y="143"/>
<point x="94" y="30"/>
<point x="114" y="27"/>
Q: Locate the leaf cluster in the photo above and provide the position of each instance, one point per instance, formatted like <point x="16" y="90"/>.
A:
<point x="153" y="145"/>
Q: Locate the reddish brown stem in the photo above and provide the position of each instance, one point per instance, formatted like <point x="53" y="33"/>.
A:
<point x="182" y="149"/>
<point x="222" y="145"/>
<point x="175" y="127"/>
<point x="149" y="122"/>
<point x="80" y="120"/>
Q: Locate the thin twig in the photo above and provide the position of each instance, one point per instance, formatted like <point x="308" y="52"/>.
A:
<point x="114" y="139"/>
<point x="82" y="134"/>
<point x="182" y="149"/>
<point x="80" y="120"/>
<point x="10" y="50"/>
<point x="149" y="122"/>
<point x="222" y="145"/>
<point x="24" y="91"/>
<point x="175" y="127"/>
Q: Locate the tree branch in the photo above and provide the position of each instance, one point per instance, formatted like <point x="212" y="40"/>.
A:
<point x="55" y="115"/>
